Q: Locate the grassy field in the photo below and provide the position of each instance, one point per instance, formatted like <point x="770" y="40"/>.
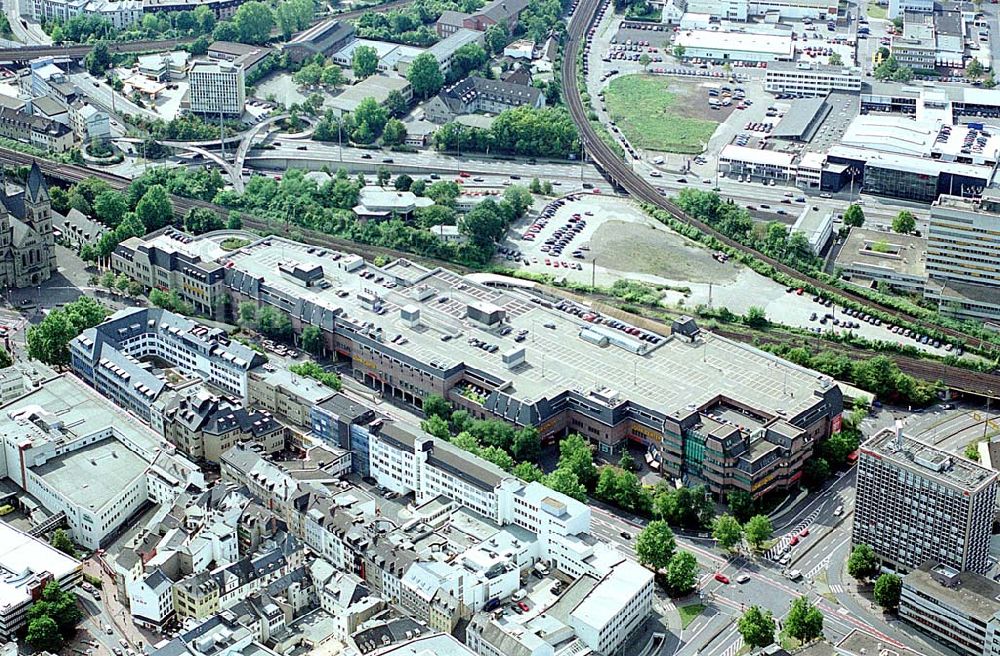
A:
<point x="659" y="113"/>
<point x="876" y="11"/>
<point x="689" y="613"/>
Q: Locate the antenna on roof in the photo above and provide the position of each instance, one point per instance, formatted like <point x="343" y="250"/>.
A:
<point x="898" y="443"/>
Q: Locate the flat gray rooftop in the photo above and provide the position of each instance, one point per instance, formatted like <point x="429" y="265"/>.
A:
<point x="974" y="594"/>
<point x="94" y="475"/>
<point x="929" y="461"/>
<point x="671" y="376"/>
<point x="903" y="254"/>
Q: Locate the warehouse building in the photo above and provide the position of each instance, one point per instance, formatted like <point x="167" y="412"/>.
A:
<point x="725" y="46"/>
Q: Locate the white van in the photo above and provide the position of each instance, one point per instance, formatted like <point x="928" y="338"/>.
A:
<point x="519" y="595"/>
<point x="794" y="575"/>
<point x="838" y="511"/>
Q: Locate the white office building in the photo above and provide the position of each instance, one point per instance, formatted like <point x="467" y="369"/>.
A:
<point x="898" y="7"/>
<point x="811" y="79"/>
<point x="741" y="10"/>
<point x="120" y="13"/>
<point x="27" y="565"/>
<point x="79" y="455"/>
<point x="217" y="88"/>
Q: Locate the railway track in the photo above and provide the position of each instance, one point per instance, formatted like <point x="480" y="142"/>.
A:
<point x="620" y="174"/>
<point x="955" y="378"/>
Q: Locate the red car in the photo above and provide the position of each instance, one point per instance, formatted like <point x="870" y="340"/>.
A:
<point x="523" y="606"/>
<point x="722" y="578"/>
<point x="804" y="533"/>
<point x="794" y="541"/>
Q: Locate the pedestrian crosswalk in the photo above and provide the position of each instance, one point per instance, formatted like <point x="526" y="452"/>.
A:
<point x="775" y="552"/>
<point x="734" y="648"/>
<point x="837" y="589"/>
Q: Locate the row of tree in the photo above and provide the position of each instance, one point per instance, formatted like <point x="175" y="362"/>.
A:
<point x="804" y="622"/>
<point x="48" y="340"/>
<point x="523" y="131"/>
<point x="411" y="25"/>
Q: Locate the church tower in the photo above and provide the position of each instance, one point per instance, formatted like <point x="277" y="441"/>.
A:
<point x="6" y="239"/>
<point x="38" y="212"/>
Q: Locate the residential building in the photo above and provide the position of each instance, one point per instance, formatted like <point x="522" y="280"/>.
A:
<point x="89" y="123"/>
<point x="323" y="38"/>
<point x="346" y="423"/>
<point x="27" y="239"/>
<point x="811" y="79"/>
<point x="428" y="467"/>
<point x="444" y="50"/>
<point x="120" y="13"/>
<point x="871" y="257"/>
<point x="79" y="455"/>
<point x="27" y="565"/>
<point x="289" y="396"/>
<point x="166" y="260"/>
<point x="74" y="229"/>
<point x="477" y="94"/>
<point x="223" y="9"/>
<point x="450" y="22"/>
<point x="108" y="357"/>
<point x="204" y="426"/>
<point x="961" y="610"/>
<point x="376" y="86"/>
<point x="963" y="256"/>
<point x="37" y="131"/>
<point x="496" y="12"/>
<point x="917" y="503"/>
<point x="217" y="88"/>
<point x="376" y="203"/>
<point x="346" y="598"/>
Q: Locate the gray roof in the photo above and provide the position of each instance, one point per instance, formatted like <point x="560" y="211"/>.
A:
<point x="972" y="594"/>
<point x="803" y="117"/>
<point x="501" y="10"/>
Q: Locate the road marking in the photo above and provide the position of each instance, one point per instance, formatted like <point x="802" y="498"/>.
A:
<point x="734" y="648"/>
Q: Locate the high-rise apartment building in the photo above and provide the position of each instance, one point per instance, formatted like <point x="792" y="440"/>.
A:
<point x="917" y="503"/>
<point x="217" y="88"/>
<point x="963" y="255"/>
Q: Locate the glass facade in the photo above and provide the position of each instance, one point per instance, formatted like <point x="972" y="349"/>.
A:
<point x="900" y="184"/>
<point x="694" y="451"/>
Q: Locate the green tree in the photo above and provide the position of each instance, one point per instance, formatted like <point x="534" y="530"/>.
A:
<point x="682" y="574"/>
<point x="904" y="223"/>
<point x="862" y="564"/>
<point x="253" y="21"/>
<point x="758" y="530"/>
<point x="645" y="60"/>
<point x="98" y="59"/>
<point x="527" y="445"/>
<point x="854" y="216"/>
<point x="679" y="51"/>
<point x="627" y="462"/>
<point x="369" y="113"/>
<point x="425" y="75"/>
<point x="497" y="456"/>
<point x="403" y="182"/>
<point x="247" y="314"/>
<point x="528" y="472"/>
<point x="493" y="432"/>
<point x="576" y="455"/>
<point x="122" y="283"/>
<point x="888" y="588"/>
<point x="200" y="220"/>
<point x="565" y="481"/>
<point x="332" y="76"/>
<point x="394" y="133"/>
<point x="364" y="61"/>
<point x="804" y="621"/>
<point x="443" y="192"/>
<point x="312" y="340"/>
<point x="655" y="545"/>
<point x="757" y="627"/>
<point x="740" y="504"/>
<point x="154" y="208"/>
<point x="396" y="104"/>
<point x="110" y="207"/>
<point x="234" y="222"/>
<point x="496" y="38"/>
<point x="60" y="540"/>
<point x="974" y="69"/>
<point x="835" y="60"/>
<point x="727" y="531"/>
<point x="437" y="427"/>
<point x="48" y="341"/>
<point x="815" y="472"/>
<point x="43" y="634"/>
<point x="436" y="405"/>
<point x="756" y="317"/>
